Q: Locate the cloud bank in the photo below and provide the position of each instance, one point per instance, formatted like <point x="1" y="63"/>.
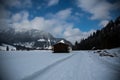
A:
<point x="98" y="9"/>
<point x="56" y="24"/>
<point x="17" y="3"/>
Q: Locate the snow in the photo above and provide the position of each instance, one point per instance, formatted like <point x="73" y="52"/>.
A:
<point x="26" y="44"/>
<point x="41" y="40"/>
<point x="4" y="47"/>
<point x="45" y="65"/>
<point x="62" y="41"/>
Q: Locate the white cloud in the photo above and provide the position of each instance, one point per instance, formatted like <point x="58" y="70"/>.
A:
<point x="4" y="18"/>
<point x="74" y="34"/>
<point x="3" y="12"/>
<point x="56" y="25"/>
<point x="61" y="15"/>
<point x="18" y="3"/>
<point x="70" y="31"/>
<point x="13" y="3"/>
<point x="53" y="2"/>
<point x="64" y="14"/>
<point x="103" y="23"/>
<point x="20" y="16"/>
<point x="79" y="14"/>
<point x="98" y="9"/>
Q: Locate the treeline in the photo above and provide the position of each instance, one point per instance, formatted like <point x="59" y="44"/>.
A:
<point x="106" y="38"/>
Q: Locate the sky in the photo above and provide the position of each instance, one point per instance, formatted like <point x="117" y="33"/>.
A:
<point x="69" y="19"/>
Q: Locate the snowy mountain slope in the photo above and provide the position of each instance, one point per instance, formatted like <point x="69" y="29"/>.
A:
<point x="45" y="65"/>
<point x="33" y="39"/>
<point x="28" y="40"/>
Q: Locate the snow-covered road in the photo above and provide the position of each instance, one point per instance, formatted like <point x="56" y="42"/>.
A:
<point x="78" y="65"/>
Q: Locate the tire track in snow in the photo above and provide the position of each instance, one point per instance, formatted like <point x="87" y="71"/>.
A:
<point x="44" y="70"/>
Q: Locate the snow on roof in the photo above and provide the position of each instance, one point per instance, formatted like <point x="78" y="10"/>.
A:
<point x="41" y="40"/>
<point x="62" y="41"/>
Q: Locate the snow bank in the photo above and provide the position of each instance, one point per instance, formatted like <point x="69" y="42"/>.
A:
<point x="112" y="62"/>
<point x="10" y="47"/>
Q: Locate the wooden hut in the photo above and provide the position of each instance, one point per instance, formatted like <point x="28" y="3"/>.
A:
<point x="61" y="47"/>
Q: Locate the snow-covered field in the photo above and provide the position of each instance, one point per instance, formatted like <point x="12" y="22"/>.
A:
<point x="45" y="65"/>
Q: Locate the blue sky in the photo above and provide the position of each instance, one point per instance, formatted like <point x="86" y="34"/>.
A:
<point x="70" y="19"/>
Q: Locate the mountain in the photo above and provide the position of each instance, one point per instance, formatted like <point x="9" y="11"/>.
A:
<point x="10" y="36"/>
<point x="32" y="39"/>
<point x="106" y="38"/>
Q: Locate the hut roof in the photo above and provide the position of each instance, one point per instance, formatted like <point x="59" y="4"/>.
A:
<point x="62" y="41"/>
